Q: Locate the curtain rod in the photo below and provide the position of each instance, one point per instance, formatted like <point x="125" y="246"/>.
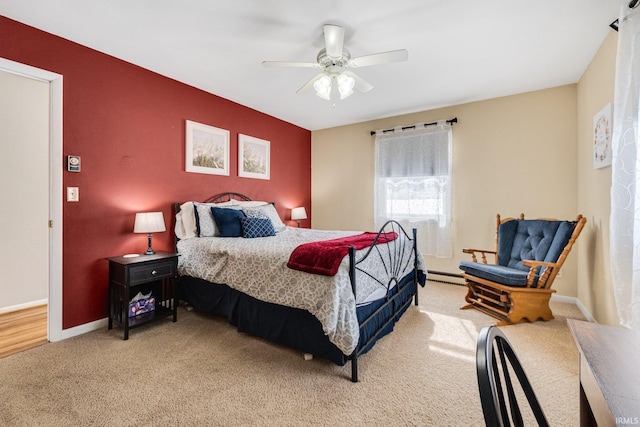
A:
<point x="615" y="24"/>
<point x="450" y="121"/>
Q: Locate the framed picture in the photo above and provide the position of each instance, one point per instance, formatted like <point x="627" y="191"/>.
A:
<point x="207" y="149"/>
<point x="602" y="138"/>
<point x="253" y="157"/>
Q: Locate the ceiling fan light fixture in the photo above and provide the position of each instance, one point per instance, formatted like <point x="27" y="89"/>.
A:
<point x="332" y="87"/>
<point x="335" y="81"/>
<point x="345" y="85"/>
<point x="322" y="87"/>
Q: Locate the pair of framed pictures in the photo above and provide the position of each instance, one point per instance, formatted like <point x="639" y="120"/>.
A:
<point x="207" y="151"/>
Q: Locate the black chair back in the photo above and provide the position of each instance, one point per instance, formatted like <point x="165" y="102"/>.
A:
<point x="496" y="362"/>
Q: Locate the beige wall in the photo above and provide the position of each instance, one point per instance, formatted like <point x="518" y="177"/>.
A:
<point x="24" y="210"/>
<point x="510" y="155"/>
<point x="595" y="90"/>
<point x="527" y="153"/>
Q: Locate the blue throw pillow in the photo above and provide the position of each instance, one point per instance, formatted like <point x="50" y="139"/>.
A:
<point x="257" y="227"/>
<point x="228" y="221"/>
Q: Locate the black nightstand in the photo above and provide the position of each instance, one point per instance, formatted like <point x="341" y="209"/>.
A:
<point x="145" y="273"/>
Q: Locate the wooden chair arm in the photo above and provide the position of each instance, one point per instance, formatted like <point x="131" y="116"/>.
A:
<point x="482" y="251"/>
<point x="551" y="269"/>
<point x="532" y="263"/>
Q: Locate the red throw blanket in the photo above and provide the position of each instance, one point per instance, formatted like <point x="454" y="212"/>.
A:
<point x="324" y="257"/>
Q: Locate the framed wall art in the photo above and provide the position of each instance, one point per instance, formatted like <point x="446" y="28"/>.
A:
<point x="602" y="138"/>
<point x="253" y="157"/>
<point x="206" y="149"/>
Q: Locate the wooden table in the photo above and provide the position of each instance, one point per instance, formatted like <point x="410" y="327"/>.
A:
<point x="609" y="374"/>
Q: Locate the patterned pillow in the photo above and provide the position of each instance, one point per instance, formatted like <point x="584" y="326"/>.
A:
<point x="254" y="213"/>
<point x="205" y="225"/>
<point x="270" y="212"/>
<point x="257" y="227"/>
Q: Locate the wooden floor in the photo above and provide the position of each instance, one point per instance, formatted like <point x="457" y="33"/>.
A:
<point x="23" y="329"/>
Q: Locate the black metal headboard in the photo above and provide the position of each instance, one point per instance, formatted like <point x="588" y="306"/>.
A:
<point x="219" y="198"/>
<point x="225" y="197"/>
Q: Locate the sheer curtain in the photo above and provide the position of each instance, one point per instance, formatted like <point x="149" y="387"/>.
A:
<point x="625" y="173"/>
<point x="413" y="184"/>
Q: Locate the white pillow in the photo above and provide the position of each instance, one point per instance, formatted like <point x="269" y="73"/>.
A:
<point x="179" y="229"/>
<point x="270" y="211"/>
<point x="250" y="203"/>
<point x="226" y="204"/>
<point x="185" y="222"/>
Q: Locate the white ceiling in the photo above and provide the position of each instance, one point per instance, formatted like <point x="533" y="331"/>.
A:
<point x="459" y="50"/>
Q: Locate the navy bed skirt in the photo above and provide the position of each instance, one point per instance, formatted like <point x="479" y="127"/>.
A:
<point x="292" y="327"/>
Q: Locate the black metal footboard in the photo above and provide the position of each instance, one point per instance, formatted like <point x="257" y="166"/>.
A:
<point x="396" y="256"/>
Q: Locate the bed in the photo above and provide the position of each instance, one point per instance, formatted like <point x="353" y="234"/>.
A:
<point x="271" y="283"/>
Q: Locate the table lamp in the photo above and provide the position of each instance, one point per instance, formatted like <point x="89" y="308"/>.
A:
<point x="149" y="222"/>
<point x="297" y="214"/>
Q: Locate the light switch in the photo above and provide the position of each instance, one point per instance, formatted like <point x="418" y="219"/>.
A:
<point x="73" y="194"/>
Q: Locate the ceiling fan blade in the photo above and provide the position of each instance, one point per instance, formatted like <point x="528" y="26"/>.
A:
<point x="309" y="85"/>
<point x="380" y="58"/>
<point x="333" y="40"/>
<point x="361" y="84"/>
<point x="290" y="64"/>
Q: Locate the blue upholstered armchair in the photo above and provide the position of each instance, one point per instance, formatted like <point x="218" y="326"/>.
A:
<point x="527" y="258"/>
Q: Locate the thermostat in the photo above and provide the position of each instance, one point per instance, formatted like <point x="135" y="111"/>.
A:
<point x="73" y="163"/>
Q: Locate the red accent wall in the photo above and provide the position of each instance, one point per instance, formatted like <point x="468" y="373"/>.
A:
<point x="128" y="125"/>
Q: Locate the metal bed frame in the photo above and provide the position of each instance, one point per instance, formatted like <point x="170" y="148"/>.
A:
<point x="395" y="260"/>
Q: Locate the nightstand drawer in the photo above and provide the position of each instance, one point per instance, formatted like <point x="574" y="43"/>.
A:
<point x="145" y="273"/>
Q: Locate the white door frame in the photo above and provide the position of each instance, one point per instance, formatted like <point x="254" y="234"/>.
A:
<point x="55" y="332"/>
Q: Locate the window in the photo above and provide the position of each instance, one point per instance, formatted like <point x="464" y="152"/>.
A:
<point x="413" y="184"/>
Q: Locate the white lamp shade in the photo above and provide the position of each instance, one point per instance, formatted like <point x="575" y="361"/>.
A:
<point x="298" y="213"/>
<point x="149" y="222"/>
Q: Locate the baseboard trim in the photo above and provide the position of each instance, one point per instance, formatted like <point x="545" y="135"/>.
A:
<point x="19" y="307"/>
<point x="577" y="302"/>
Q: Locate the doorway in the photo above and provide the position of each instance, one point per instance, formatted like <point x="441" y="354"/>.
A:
<point x="47" y="268"/>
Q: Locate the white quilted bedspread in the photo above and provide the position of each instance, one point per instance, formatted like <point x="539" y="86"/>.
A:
<point x="258" y="267"/>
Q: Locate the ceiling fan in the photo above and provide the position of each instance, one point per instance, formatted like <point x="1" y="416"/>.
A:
<point x="336" y="80"/>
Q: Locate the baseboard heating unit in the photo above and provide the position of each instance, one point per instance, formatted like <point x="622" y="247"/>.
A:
<point x="445" y="277"/>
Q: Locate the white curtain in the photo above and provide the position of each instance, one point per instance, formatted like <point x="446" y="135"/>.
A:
<point x="413" y="184"/>
<point x="625" y="194"/>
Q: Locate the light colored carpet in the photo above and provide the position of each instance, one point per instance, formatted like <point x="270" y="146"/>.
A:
<point x="201" y="372"/>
